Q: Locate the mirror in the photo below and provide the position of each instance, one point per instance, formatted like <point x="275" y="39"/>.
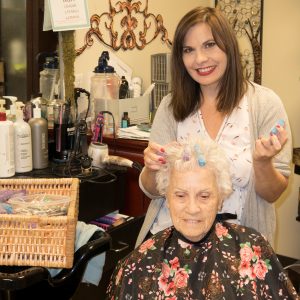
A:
<point x="22" y="39"/>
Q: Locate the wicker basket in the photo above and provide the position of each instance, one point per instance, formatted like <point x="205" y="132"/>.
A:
<point x="39" y="240"/>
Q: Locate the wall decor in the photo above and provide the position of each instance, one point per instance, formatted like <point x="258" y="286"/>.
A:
<point x="245" y="16"/>
<point x="126" y="26"/>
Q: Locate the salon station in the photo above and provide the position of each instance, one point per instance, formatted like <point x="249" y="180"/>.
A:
<point x="81" y="82"/>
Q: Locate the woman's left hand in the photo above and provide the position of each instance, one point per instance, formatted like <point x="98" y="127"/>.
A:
<point x="268" y="147"/>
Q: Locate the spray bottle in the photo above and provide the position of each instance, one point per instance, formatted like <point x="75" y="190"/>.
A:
<point x="39" y="133"/>
<point x="13" y="109"/>
<point x="23" y="144"/>
<point x="7" y="155"/>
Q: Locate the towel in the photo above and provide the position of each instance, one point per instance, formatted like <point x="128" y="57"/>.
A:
<point x="93" y="272"/>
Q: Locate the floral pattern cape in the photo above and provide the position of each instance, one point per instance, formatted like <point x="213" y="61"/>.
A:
<point x="230" y="262"/>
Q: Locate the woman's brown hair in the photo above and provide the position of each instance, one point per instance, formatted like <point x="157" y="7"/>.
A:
<point x="185" y="91"/>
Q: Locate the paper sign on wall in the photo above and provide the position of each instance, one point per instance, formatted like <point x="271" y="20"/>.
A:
<point x="67" y="14"/>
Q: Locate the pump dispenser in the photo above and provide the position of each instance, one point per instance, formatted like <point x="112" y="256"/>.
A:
<point x="23" y="144"/>
<point x="7" y="155"/>
<point x="39" y="133"/>
<point x="104" y="88"/>
<point x="20" y="109"/>
<point x="13" y="109"/>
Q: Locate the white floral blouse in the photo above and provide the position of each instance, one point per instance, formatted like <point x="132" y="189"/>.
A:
<point x="234" y="139"/>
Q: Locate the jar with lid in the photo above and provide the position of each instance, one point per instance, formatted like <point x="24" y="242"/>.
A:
<point x="105" y="85"/>
<point x="49" y="78"/>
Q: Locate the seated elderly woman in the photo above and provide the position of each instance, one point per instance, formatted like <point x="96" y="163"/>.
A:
<point x="200" y="256"/>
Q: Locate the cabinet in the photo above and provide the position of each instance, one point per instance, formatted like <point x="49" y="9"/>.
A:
<point x="136" y="203"/>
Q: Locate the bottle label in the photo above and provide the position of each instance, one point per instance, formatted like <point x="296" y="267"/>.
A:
<point x="43" y="140"/>
<point x="124" y="124"/>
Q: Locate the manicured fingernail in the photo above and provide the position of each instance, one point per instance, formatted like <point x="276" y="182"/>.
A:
<point x="162" y="150"/>
<point x="162" y="160"/>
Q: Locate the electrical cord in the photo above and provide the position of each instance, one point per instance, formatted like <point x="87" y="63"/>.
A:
<point x="135" y="165"/>
<point x="79" y="163"/>
<point x="73" y="169"/>
<point x="114" y="123"/>
<point x="114" y="128"/>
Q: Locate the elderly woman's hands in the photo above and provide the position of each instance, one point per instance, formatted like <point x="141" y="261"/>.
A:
<point x="154" y="156"/>
<point x="267" y="147"/>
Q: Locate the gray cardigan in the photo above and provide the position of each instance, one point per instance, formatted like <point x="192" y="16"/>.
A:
<point x="265" y="109"/>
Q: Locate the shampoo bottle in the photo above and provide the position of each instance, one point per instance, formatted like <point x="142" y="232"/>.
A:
<point x="7" y="155"/>
<point x="39" y="133"/>
<point x="23" y="144"/>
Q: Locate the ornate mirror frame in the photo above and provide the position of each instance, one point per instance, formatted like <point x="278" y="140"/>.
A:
<point x="127" y="25"/>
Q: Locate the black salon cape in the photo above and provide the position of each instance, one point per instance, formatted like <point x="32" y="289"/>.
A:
<point x="230" y="262"/>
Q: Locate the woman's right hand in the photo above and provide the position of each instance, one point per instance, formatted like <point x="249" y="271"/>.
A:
<point x="154" y="156"/>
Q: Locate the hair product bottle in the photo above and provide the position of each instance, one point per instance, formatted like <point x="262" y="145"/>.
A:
<point x="123" y="88"/>
<point x="23" y="144"/>
<point x="39" y="133"/>
<point x="125" y="120"/>
<point x="7" y="155"/>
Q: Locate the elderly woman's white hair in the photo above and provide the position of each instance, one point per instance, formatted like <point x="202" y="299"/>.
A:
<point x="197" y="152"/>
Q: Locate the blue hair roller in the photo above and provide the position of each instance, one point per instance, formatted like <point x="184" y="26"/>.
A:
<point x="274" y="130"/>
<point x="200" y="158"/>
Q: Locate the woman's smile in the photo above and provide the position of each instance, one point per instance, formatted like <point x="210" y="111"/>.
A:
<point x="205" y="71"/>
<point x="189" y="221"/>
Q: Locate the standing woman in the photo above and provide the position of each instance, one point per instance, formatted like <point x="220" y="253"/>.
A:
<point x="210" y="96"/>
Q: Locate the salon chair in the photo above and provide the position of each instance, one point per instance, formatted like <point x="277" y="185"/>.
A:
<point x="293" y="271"/>
<point x="36" y="283"/>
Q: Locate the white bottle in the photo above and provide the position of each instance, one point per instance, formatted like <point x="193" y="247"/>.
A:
<point x="136" y="83"/>
<point x="7" y="155"/>
<point x="23" y="145"/>
<point x="39" y="134"/>
<point x="11" y="116"/>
